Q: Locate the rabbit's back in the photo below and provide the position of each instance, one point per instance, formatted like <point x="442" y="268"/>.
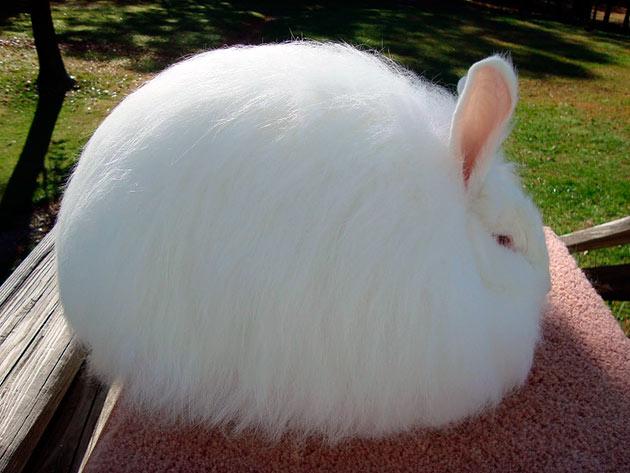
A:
<point x="277" y="150"/>
<point x="263" y="234"/>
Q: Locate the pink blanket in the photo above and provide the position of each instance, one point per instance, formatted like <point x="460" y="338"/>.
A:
<point x="572" y="415"/>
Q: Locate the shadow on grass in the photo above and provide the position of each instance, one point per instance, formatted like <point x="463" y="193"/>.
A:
<point x="16" y="210"/>
<point x="431" y="38"/>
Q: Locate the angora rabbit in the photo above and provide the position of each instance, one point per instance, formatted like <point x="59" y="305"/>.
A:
<point x="305" y="237"/>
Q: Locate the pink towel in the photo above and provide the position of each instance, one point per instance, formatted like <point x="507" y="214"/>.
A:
<point x="572" y="415"/>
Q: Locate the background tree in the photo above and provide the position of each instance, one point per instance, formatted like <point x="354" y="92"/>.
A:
<point x="52" y="84"/>
<point x="607" y="12"/>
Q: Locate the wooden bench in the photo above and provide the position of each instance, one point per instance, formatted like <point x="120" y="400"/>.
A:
<point x="611" y="282"/>
<point x="52" y="411"/>
<point x="49" y="406"/>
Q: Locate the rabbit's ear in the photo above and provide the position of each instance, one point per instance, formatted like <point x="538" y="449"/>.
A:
<point x="486" y="102"/>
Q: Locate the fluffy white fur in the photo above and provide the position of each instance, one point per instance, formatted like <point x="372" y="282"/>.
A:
<point x="282" y="237"/>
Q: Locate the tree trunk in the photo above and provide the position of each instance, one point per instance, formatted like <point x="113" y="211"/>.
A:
<point x="52" y="84"/>
<point x="52" y="73"/>
<point x="592" y="19"/>
<point x="581" y="10"/>
<point x="627" y="17"/>
<point x="609" y="6"/>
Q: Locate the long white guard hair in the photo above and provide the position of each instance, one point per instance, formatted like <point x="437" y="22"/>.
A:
<point x="305" y="237"/>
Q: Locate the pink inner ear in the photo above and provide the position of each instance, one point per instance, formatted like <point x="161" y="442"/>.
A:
<point x="486" y="110"/>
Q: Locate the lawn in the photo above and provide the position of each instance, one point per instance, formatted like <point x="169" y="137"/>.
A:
<point x="572" y="130"/>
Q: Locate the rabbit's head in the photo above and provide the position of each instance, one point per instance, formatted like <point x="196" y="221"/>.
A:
<point x="503" y="222"/>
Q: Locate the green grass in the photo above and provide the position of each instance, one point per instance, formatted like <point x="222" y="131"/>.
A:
<point x="572" y="132"/>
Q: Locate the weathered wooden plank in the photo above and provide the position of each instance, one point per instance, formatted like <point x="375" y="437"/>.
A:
<point x="21" y="273"/>
<point x="24" y="317"/>
<point x="38" y="356"/>
<point x="110" y="401"/>
<point x="29" y="397"/>
<point x="608" y="234"/>
<point x="611" y="282"/>
<point x="27" y="291"/>
<point x="65" y="441"/>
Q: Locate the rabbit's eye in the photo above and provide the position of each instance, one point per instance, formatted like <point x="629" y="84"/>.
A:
<point x="505" y="240"/>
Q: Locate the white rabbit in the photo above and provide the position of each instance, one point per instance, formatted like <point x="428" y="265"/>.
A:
<point x="305" y="237"/>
